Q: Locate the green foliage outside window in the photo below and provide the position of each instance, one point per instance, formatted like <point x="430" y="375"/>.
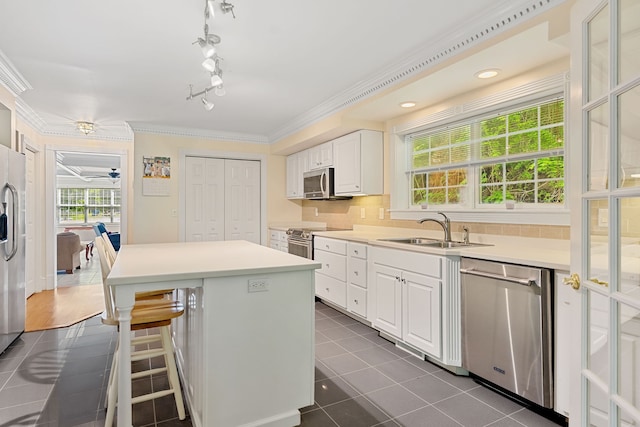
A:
<point x="526" y="146"/>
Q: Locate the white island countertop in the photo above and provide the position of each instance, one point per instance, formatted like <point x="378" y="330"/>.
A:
<point x="197" y="260"/>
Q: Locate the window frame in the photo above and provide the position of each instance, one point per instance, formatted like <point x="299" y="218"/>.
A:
<point x="529" y="94"/>
<point x="86" y="206"/>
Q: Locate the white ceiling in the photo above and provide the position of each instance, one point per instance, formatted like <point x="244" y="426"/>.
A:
<point x="124" y="63"/>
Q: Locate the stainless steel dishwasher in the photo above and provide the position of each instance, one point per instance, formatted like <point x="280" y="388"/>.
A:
<point x="507" y="327"/>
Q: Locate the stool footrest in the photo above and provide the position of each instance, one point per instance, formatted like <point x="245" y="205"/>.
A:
<point x="142" y="374"/>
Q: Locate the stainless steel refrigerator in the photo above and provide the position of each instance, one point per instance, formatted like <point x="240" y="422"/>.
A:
<point x="12" y="240"/>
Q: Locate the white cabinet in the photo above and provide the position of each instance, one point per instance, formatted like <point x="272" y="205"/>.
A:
<point x="358" y="163"/>
<point x="320" y="156"/>
<point x="294" y="176"/>
<point x="331" y="276"/>
<point x="357" y="278"/>
<point x="278" y="240"/>
<point x="405" y="297"/>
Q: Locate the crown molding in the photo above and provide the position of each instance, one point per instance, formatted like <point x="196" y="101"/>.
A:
<point x="198" y="133"/>
<point x="502" y="17"/>
<point x="11" y="77"/>
<point x="25" y="113"/>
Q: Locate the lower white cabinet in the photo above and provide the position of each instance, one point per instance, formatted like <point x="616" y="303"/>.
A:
<point x="406" y="297"/>
<point x="357" y="279"/>
<point x="332" y="275"/>
<point x="278" y="240"/>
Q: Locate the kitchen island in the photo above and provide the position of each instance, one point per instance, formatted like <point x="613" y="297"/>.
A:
<point x="245" y="345"/>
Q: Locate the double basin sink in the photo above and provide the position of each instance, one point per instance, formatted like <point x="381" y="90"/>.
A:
<point x="433" y="243"/>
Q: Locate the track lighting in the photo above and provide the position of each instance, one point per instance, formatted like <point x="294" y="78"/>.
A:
<point x="209" y="64"/>
<point x="207" y="104"/>
<point x="216" y="80"/>
<point x="212" y="61"/>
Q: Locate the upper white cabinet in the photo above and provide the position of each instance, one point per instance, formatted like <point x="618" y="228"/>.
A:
<point x="358" y="163"/>
<point x="320" y="156"/>
<point x="295" y="164"/>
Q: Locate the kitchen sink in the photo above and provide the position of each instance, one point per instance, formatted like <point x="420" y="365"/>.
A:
<point x="412" y="240"/>
<point x="433" y="243"/>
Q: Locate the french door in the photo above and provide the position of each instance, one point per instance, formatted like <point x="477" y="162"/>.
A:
<point x="604" y="136"/>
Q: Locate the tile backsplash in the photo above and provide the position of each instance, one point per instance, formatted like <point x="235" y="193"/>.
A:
<point x="347" y="213"/>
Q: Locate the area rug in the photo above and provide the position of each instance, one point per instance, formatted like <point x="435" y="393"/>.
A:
<point x="63" y="307"/>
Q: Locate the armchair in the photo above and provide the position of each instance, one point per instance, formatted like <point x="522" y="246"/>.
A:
<point x="100" y="228"/>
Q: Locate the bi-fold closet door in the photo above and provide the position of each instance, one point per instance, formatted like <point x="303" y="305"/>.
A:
<point x="222" y="199"/>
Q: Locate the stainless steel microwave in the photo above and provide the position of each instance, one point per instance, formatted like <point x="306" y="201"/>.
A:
<point x="319" y="185"/>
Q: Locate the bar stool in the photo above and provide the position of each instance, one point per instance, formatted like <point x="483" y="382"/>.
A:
<point x="146" y="314"/>
<point x="111" y="258"/>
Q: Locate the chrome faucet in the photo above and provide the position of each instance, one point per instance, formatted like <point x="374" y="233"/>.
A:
<point x="445" y="224"/>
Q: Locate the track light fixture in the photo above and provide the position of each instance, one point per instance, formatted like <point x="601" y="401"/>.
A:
<point x="211" y="63"/>
<point x="207" y="105"/>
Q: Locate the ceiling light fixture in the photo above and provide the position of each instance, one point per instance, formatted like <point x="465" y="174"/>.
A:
<point x="212" y="61"/>
<point x="220" y="91"/>
<point x="487" y="74"/>
<point x="207" y="104"/>
<point x="408" y="104"/>
<point x="85" y="127"/>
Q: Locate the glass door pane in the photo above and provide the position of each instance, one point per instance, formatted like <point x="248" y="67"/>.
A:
<point x="598" y="33"/>
<point x="598" y="171"/>
<point x="629" y="35"/>
<point x="629" y="138"/>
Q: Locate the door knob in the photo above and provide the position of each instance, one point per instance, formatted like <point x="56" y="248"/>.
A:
<point x="573" y="280"/>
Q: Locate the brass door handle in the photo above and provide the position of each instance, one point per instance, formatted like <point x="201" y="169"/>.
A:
<point x="573" y="280"/>
<point x="599" y="282"/>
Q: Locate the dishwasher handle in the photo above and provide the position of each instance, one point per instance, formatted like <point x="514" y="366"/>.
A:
<point x="473" y="272"/>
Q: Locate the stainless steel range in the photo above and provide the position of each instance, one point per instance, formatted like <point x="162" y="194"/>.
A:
<point x="301" y="239"/>
<point x="300" y="242"/>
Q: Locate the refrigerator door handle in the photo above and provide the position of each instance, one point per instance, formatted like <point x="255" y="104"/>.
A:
<point x="14" y="221"/>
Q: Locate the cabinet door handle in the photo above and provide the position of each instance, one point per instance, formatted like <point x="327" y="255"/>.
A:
<point x="327" y="289"/>
<point x="355" y="273"/>
<point x="356" y="301"/>
<point x="355" y="252"/>
<point x="398" y="278"/>
<point x="327" y="265"/>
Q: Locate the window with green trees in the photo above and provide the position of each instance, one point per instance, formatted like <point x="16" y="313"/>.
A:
<point x="88" y="205"/>
<point x="510" y="156"/>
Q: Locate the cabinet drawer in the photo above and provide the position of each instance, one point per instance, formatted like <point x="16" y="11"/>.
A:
<point x="333" y="265"/>
<point x="331" y="289"/>
<point x="357" y="300"/>
<point x="357" y="250"/>
<point x="358" y="272"/>
<point x="330" y="245"/>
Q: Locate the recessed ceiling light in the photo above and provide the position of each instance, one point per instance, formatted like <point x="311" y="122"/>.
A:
<point x="487" y="74"/>
<point x="408" y="104"/>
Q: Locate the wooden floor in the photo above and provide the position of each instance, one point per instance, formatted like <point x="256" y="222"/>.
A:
<point x="63" y="307"/>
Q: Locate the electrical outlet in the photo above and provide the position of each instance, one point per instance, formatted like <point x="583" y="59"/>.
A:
<point x="362" y="213"/>
<point x="259" y="285"/>
<point x="381" y="213"/>
<point x="603" y="217"/>
<point x="316" y="211"/>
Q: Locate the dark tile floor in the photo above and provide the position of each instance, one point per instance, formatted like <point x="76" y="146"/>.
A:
<point x="57" y="378"/>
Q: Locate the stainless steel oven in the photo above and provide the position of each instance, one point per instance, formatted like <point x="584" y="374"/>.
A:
<point x="300" y="242"/>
